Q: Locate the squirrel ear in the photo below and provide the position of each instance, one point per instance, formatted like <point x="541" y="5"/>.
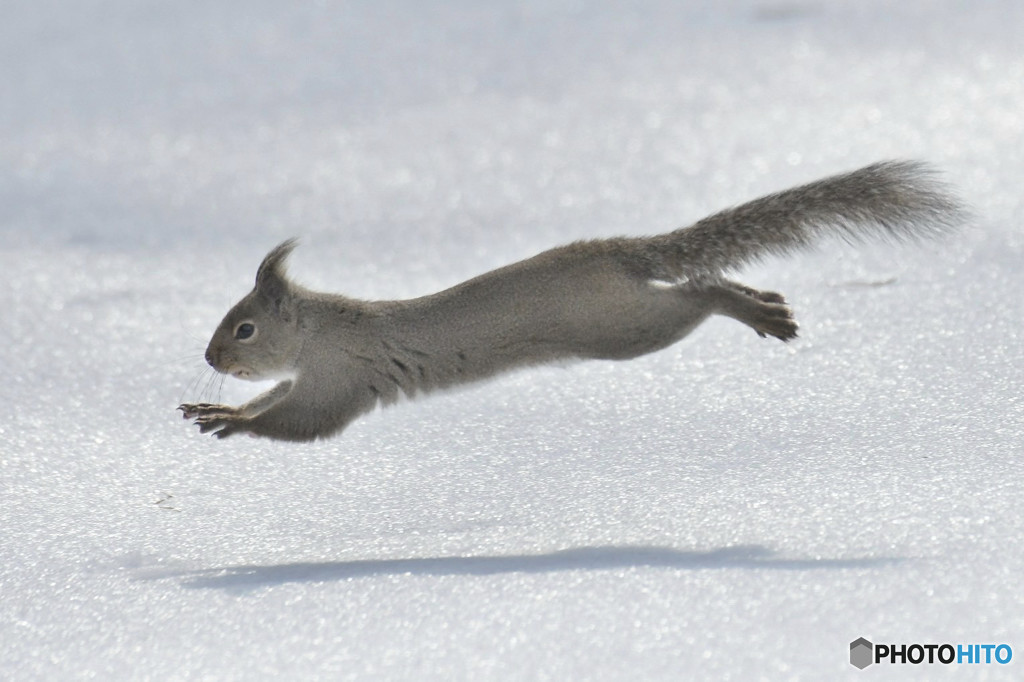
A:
<point x="271" y="281"/>
<point x="273" y="262"/>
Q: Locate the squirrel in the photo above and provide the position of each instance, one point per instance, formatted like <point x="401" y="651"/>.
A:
<point x="339" y="357"/>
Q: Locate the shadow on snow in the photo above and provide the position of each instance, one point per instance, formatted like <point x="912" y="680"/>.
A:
<point x="579" y="559"/>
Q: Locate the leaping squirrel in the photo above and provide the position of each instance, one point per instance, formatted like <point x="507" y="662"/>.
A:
<point x="338" y="357"/>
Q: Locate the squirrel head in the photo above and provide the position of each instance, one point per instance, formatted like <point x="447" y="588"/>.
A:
<point x="259" y="337"/>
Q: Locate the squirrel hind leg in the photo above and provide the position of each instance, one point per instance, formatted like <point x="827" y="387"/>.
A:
<point x="766" y="312"/>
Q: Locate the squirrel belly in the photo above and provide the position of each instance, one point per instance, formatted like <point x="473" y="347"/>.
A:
<point x="612" y="299"/>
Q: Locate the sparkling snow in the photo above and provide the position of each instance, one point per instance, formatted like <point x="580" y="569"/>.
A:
<point x="730" y="508"/>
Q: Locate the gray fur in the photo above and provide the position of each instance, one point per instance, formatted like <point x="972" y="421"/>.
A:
<point x="614" y="299"/>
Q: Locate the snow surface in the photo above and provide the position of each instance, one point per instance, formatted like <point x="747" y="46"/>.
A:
<point x="729" y="508"/>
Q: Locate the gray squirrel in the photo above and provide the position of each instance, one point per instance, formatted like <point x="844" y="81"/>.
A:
<point x="338" y="357"/>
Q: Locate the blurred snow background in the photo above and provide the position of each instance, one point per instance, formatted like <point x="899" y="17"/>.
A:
<point x="729" y="508"/>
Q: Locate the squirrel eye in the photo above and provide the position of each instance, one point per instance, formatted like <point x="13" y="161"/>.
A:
<point x="245" y="330"/>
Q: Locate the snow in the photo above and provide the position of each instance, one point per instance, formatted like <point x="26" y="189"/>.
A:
<point x="727" y="509"/>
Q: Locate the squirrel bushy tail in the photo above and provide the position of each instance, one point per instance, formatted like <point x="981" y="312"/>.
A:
<point x="890" y="200"/>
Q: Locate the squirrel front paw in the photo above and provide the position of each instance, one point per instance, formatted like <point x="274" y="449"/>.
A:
<point x="221" y="425"/>
<point x="220" y="420"/>
<point x="192" y="410"/>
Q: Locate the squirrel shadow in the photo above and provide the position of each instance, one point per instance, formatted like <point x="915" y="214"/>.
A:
<point x="244" y="578"/>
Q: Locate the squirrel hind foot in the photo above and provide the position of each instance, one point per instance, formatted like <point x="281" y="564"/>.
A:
<point x="766" y="312"/>
<point x="774" y="319"/>
<point x="783" y="328"/>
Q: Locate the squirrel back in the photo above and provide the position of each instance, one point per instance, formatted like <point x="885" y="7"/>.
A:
<point x="613" y="299"/>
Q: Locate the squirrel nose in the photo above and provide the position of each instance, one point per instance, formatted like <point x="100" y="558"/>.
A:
<point x="209" y="356"/>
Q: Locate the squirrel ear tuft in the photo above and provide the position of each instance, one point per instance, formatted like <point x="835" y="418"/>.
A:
<point x="273" y="262"/>
<point x="271" y="281"/>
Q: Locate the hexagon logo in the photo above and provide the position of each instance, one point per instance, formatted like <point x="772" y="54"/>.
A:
<point x="861" y="653"/>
